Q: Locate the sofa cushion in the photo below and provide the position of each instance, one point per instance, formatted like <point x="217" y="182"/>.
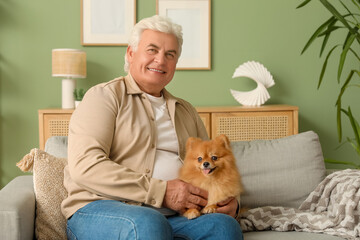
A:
<point x="49" y="192"/>
<point x="279" y="172"/>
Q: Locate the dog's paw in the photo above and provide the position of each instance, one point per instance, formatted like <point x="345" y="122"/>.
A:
<point x="209" y="209"/>
<point x="192" y="213"/>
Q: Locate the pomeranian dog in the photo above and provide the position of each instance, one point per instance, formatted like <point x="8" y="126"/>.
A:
<point x="211" y="165"/>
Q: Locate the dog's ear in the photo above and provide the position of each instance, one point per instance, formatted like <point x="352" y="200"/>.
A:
<point x="224" y="140"/>
<point x="191" y="142"/>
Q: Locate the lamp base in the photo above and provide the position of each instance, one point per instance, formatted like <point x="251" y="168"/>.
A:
<point x="68" y="87"/>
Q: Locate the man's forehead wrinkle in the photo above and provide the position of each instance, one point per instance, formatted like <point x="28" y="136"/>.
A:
<point x="153" y="45"/>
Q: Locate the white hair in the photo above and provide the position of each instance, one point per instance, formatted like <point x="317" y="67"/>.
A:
<point x="156" y="23"/>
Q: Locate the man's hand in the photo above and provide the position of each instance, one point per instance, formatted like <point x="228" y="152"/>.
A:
<point x="181" y="196"/>
<point x="228" y="206"/>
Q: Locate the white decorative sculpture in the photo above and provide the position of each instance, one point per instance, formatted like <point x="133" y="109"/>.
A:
<point x="257" y="72"/>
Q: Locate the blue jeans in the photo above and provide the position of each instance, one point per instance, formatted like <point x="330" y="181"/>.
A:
<point x="108" y="219"/>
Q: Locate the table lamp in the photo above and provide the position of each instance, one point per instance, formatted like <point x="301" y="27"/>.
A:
<point x="71" y="64"/>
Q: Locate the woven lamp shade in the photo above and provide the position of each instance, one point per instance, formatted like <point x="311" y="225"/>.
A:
<point x="69" y="63"/>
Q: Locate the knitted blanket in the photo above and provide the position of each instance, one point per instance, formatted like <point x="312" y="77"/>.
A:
<point x="332" y="208"/>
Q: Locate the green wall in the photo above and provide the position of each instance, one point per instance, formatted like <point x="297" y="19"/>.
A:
<point x="271" y="32"/>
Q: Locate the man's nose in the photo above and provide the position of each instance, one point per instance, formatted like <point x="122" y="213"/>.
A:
<point x="160" y="58"/>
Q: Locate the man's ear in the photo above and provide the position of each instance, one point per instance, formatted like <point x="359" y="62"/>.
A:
<point x="129" y="54"/>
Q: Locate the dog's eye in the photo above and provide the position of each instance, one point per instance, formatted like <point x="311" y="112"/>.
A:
<point x="199" y="159"/>
<point x="214" y="158"/>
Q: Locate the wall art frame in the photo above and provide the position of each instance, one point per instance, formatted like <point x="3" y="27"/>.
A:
<point x="107" y="23"/>
<point x="195" y="18"/>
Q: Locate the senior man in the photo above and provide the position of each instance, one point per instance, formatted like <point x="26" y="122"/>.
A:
<point x="126" y="144"/>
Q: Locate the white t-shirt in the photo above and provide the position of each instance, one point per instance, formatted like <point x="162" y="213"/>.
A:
<point x="167" y="161"/>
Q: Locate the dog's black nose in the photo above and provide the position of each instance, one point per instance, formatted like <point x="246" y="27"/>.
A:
<point x="206" y="164"/>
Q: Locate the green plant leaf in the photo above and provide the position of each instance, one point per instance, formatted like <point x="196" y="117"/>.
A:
<point x="323" y="69"/>
<point x="349" y="40"/>
<point x="317" y="33"/>
<point x="353" y="145"/>
<point x="336" y="14"/>
<point x="326" y="34"/>
<point x="357" y="133"/>
<point x="347" y="9"/>
<point x="345" y="85"/>
<point x="329" y="30"/>
<point x="323" y="45"/>
<point x="338" y="104"/>
<point x="355" y="127"/>
<point x="338" y="120"/>
<point x="342" y="144"/>
<point x="79" y="94"/>
<point x="358" y="38"/>
<point x="356" y="3"/>
<point x="355" y="54"/>
<point x="333" y="161"/>
<point x="303" y="4"/>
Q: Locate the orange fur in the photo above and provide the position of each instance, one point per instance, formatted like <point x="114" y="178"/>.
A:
<point x="220" y="178"/>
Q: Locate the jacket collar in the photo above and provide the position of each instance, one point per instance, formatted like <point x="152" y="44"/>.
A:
<point x="131" y="85"/>
<point x="171" y="102"/>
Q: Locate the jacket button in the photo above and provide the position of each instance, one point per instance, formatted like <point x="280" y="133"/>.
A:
<point x="147" y="170"/>
<point x="153" y="202"/>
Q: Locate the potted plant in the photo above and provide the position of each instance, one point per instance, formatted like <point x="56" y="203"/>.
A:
<point x="346" y="21"/>
<point x="78" y="95"/>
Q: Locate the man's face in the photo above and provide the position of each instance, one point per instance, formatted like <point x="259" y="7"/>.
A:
<point x="153" y="64"/>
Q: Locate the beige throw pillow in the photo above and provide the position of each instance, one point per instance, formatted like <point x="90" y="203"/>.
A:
<point x="49" y="192"/>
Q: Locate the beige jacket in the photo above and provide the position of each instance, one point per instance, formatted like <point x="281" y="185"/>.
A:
<point x="112" y="144"/>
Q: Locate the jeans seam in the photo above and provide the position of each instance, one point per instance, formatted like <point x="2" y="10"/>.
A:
<point x="69" y="232"/>
<point x="109" y="216"/>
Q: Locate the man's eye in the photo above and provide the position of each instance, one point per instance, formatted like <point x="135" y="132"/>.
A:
<point x="170" y="56"/>
<point x="151" y="51"/>
<point x="199" y="159"/>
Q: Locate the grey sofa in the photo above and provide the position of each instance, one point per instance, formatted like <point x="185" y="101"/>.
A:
<point x="274" y="172"/>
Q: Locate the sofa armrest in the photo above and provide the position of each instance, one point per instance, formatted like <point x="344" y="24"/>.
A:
<point x="17" y="209"/>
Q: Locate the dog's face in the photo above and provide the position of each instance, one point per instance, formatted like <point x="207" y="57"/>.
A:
<point x="209" y="157"/>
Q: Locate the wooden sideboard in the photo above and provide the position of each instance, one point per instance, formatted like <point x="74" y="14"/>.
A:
<point x="239" y="123"/>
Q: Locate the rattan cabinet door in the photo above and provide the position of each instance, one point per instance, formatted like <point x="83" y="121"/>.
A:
<point x="246" y="126"/>
<point x="53" y="122"/>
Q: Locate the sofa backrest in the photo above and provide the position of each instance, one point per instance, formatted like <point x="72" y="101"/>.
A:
<point x="57" y="146"/>
<point x="279" y="172"/>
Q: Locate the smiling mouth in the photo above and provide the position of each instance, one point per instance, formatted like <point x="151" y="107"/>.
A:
<point x="156" y="70"/>
<point x="207" y="171"/>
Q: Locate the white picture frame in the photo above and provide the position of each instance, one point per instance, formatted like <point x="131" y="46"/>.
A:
<point x="195" y="18"/>
<point x="107" y="23"/>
